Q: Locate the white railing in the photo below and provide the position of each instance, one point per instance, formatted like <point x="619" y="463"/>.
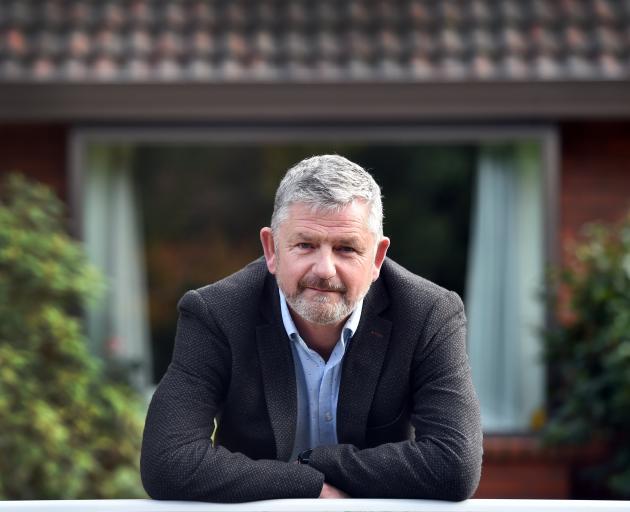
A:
<point x="314" y="505"/>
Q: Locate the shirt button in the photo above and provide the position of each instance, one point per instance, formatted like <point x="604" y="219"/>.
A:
<point x="328" y="416"/>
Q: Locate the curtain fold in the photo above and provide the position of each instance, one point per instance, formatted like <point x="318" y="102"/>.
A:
<point x="119" y="327"/>
<point x="503" y="286"/>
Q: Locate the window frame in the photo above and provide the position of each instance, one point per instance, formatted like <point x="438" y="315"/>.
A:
<point x="546" y="135"/>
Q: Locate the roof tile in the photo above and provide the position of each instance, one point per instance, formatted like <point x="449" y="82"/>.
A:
<point x="267" y="40"/>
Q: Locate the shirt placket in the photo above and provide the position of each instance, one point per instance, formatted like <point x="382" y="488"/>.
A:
<point x="326" y="398"/>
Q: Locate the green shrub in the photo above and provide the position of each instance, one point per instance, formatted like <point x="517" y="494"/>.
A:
<point x="589" y="355"/>
<point x="66" y="430"/>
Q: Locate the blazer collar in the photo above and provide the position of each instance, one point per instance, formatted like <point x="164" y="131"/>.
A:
<point x="278" y="372"/>
<point x="362" y="367"/>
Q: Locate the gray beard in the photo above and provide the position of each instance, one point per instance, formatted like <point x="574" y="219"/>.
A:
<point x="320" y="310"/>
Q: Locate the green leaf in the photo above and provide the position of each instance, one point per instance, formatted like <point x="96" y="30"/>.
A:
<point x="589" y="359"/>
<point x="61" y="415"/>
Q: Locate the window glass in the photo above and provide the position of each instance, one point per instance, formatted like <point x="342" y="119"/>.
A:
<point x="202" y="207"/>
<point x="163" y="219"/>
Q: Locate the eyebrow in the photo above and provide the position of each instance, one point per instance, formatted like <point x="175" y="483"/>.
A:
<point x="352" y="241"/>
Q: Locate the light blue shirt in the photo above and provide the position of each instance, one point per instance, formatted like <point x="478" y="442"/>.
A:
<point x="317" y="383"/>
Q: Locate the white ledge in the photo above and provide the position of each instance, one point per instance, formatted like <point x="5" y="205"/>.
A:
<point x="314" y="505"/>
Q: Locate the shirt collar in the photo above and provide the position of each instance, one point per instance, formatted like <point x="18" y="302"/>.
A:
<point x="348" y="330"/>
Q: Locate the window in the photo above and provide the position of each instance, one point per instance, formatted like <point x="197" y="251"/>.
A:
<point x="504" y="283"/>
<point x="160" y="219"/>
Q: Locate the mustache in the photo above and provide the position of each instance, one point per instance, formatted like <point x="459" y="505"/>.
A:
<point x="321" y="284"/>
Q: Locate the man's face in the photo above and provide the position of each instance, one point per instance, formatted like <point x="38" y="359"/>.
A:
<point x="324" y="262"/>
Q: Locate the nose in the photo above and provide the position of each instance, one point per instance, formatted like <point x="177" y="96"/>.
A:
<point x="324" y="266"/>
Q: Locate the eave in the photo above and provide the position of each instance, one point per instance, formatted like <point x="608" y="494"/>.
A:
<point x="186" y="102"/>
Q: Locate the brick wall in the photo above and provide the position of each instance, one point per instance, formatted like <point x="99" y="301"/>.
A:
<point x="595" y="175"/>
<point x="37" y="150"/>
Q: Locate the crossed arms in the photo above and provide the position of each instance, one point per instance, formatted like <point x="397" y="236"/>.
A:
<point x="180" y="462"/>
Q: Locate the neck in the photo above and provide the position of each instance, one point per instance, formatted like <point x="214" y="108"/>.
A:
<point x="320" y="338"/>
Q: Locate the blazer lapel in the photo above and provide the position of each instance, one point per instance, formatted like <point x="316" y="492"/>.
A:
<point x="362" y="368"/>
<point x="278" y="373"/>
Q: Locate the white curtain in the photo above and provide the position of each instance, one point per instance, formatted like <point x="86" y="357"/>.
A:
<point x="119" y="327"/>
<point x="503" y="287"/>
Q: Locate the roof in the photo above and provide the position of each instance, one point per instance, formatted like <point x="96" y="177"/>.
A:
<point x="133" y="41"/>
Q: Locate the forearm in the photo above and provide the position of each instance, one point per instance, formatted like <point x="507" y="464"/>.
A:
<point x="443" y="461"/>
<point x="179" y="461"/>
<point x="204" y="473"/>
<point x="427" y="469"/>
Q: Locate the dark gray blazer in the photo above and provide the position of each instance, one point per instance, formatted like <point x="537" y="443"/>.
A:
<point x="407" y="420"/>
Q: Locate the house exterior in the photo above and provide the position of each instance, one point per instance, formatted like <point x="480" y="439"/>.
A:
<point x="487" y="73"/>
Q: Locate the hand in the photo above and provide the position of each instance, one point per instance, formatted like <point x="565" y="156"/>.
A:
<point x="330" y="492"/>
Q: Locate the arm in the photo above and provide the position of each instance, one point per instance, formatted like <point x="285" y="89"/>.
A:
<point x="444" y="459"/>
<point x="179" y="461"/>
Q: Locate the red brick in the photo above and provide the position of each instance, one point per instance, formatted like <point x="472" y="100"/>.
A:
<point x="36" y="150"/>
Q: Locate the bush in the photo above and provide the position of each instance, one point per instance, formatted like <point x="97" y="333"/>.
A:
<point x="589" y="355"/>
<point x="66" y="429"/>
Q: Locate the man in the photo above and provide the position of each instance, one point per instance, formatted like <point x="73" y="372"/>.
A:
<point x="330" y="370"/>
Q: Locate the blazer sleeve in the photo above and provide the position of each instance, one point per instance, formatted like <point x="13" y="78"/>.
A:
<point x="179" y="460"/>
<point x="443" y="461"/>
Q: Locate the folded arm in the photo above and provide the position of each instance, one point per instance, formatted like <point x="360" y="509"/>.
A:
<point x="179" y="461"/>
<point x="444" y="459"/>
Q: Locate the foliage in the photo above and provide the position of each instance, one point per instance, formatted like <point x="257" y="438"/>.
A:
<point x="66" y="430"/>
<point x="590" y="354"/>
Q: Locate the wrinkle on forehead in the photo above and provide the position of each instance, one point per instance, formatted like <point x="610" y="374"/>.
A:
<point x="356" y="211"/>
<point x="352" y="218"/>
<point x="336" y="224"/>
<point x="331" y="209"/>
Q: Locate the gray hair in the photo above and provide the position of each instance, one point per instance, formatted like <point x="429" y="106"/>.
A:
<point x="329" y="183"/>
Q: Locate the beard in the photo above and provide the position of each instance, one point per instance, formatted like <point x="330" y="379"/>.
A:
<point x="322" y="308"/>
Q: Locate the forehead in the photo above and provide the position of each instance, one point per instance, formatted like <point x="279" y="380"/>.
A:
<point x="349" y="220"/>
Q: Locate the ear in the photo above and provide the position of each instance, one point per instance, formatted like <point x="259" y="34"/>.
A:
<point x="379" y="257"/>
<point x="269" y="248"/>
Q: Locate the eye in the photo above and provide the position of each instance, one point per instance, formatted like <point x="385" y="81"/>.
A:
<point x="304" y="245"/>
<point x="346" y="249"/>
